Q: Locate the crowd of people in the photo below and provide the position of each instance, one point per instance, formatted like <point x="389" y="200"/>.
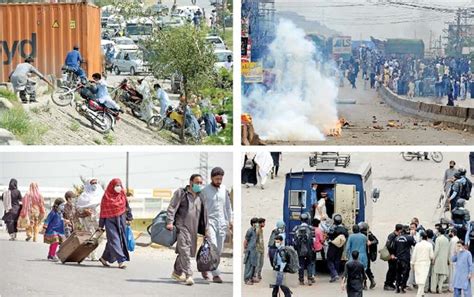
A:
<point x="256" y="168"/>
<point x="194" y="209"/>
<point x="438" y="77"/>
<point x="427" y="260"/>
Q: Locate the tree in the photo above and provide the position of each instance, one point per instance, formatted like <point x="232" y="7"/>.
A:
<point x="182" y="50"/>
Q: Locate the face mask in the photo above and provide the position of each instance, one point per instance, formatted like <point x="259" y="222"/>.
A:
<point x="256" y="225"/>
<point x="118" y="189"/>
<point x="278" y="244"/>
<point x="61" y="208"/>
<point x="197" y="188"/>
<point x="94" y="187"/>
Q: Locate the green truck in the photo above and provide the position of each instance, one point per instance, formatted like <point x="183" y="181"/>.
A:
<point x="402" y="47"/>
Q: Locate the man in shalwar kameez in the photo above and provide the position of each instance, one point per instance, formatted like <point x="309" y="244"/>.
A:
<point x="219" y="213"/>
<point x="187" y="212"/>
<point x="462" y="271"/>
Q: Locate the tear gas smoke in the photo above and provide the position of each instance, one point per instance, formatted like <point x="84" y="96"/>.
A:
<point x="301" y="103"/>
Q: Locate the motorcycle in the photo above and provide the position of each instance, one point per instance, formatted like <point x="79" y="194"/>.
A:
<point x="102" y="118"/>
<point x="173" y="121"/>
<point x="130" y="97"/>
<point x="435" y="156"/>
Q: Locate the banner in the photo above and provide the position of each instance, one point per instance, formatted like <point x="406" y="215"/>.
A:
<point x="252" y="72"/>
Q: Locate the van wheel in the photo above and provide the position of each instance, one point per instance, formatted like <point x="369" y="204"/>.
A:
<point x="132" y="71"/>
<point x="116" y="70"/>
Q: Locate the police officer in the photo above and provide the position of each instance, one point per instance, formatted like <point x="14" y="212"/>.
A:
<point x="337" y="237"/>
<point x="457" y="187"/>
<point x="303" y="243"/>
<point x="372" y="242"/>
<point x="460" y="217"/>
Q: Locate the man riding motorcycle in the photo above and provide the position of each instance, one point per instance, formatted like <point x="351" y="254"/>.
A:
<point x="73" y="61"/>
<point x="97" y="90"/>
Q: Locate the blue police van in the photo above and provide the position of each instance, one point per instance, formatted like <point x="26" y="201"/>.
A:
<point x="348" y="186"/>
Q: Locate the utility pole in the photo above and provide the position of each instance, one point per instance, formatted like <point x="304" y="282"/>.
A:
<point x="458" y="33"/>
<point x="204" y="166"/>
<point x="127" y="170"/>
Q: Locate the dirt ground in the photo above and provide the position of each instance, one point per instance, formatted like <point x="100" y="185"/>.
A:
<point x="67" y="127"/>
<point x="408" y="189"/>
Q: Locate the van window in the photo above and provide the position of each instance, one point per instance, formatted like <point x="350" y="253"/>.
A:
<point x="297" y="199"/>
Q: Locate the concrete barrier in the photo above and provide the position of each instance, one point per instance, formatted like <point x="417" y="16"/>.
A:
<point x="451" y="116"/>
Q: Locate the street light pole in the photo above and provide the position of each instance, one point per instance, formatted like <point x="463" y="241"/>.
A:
<point x="127" y="170"/>
<point x="92" y="168"/>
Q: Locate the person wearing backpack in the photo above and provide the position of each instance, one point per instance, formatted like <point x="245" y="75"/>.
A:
<point x="272" y="249"/>
<point x="336" y="238"/>
<point x="279" y="265"/>
<point x="303" y="244"/>
<point x="461" y="188"/>
<point x="460" y="217"/>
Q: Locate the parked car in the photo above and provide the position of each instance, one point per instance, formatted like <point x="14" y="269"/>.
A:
<point x="221" y="56"/>
<point x="216" y="41"/>
<point x="125" y="44"/>
<point x="131" y="62"/>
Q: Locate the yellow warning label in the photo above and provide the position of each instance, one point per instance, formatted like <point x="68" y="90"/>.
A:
<point x="55" y="24"/>
<point x="72" y="24"/>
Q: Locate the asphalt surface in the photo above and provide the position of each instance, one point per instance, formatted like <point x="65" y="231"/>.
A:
<point x="408" y="189"/>
<point x="362" y="130"/>
<point x="25" y="272"/>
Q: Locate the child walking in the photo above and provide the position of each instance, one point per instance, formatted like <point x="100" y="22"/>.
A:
<point x="53" y="228"/>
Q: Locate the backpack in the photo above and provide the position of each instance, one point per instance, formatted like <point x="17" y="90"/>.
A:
<point x="290" y="257"/>
<point x="303" y="243"/>
<point x="207" y="258"/>
<point x="249" y="163"/>
<point x="465" y="192"/>
<point x="158" y="232"/>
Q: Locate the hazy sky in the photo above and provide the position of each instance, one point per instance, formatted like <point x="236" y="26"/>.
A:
<point x="365" y="18"/>
<point x="147" y="170"/>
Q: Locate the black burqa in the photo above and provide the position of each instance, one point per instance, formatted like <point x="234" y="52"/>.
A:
<point x="11" y="216"/>
<point x="249" y="175"/>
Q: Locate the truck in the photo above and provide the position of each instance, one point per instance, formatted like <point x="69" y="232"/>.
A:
<point x="405" y="47"/>
<point x="348" y="186"/>
<point x="139" y="29"/>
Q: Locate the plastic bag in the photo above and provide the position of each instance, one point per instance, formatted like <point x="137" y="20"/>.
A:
<point x="130" y="239"/>
<point x="207" y="257"/>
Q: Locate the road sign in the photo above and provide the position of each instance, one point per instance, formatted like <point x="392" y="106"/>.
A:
<point x="341" y="45"/>
<point x="252" y="72"/>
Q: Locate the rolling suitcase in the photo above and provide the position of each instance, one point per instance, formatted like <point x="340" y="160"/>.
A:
<point x="78" y="246"/>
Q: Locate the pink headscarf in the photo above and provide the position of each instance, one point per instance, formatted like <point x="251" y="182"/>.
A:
<point x="32" y="199"/>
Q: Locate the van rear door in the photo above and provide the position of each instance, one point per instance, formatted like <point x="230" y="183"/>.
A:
<point x="345" y="203"/>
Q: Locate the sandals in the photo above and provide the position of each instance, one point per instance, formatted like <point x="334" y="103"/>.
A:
<point x="104" y="263"/>
<point x="122" y="265"/>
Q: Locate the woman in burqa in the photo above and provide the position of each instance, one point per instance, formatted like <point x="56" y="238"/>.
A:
<point x="12" y="206"/>
<point x="115" y="215"/>
<point x="88" y="209"/>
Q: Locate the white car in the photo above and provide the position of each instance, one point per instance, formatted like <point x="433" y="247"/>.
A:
<point x="125" y="44"/>
<point x="221" y="56"/>
<point x="217" y="42"/>
<point x="131" y="62"/>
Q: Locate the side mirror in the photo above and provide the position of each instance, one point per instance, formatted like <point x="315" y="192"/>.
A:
<point x="375" y="194"/>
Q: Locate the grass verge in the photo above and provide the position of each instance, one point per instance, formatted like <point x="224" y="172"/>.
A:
<point x="18" y="122"/>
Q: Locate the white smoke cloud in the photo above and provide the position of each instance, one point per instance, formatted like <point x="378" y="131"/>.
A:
<point x="301" y="105"/>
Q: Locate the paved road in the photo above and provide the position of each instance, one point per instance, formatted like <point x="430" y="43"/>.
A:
<point x="26" y="272"/>
<point x="412" y="131"/>
<point x="408" y="189"/>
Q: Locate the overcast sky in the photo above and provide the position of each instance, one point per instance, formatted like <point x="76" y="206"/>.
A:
<point x="364" y="18"/>
<point x="147" y="170"/>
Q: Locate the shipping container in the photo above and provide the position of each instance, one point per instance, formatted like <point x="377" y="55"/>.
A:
<point x="48" y="32"/>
